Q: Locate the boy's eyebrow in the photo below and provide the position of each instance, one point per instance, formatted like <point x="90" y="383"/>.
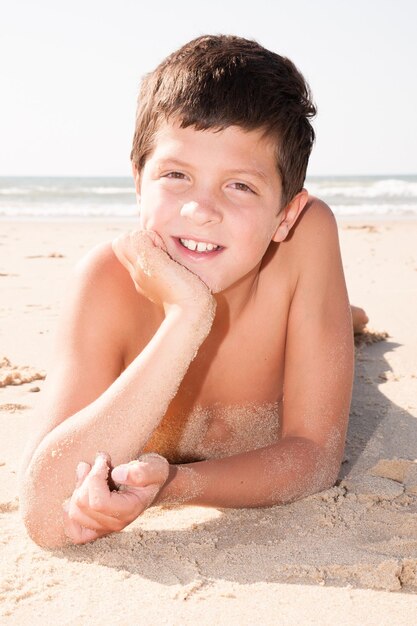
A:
<point x="257" y="173"/>
<point x="252" y="172"/>
<point x="171" y="163"/>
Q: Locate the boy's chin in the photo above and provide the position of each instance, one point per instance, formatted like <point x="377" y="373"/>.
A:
<point x="214" y="287"/>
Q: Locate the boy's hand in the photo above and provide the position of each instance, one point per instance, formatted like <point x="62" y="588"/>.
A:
<point x="156" y="275"/>
<point x="94" y="511"/>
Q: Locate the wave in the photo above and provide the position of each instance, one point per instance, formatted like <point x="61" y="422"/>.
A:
<point x="74" y="191"/>
<point x="14" y="191"/>
<point x="106" y="190"/>
<point x="390" y="188"/>
<point x="50" y="210"/>
<point x="377" y="210"/>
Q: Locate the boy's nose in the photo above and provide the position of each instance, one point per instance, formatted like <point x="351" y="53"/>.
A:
<point x="201" y="213"/>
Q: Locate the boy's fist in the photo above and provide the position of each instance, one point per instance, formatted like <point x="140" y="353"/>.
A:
<point x="157" y="276"/>
<point x="94" y="510"/>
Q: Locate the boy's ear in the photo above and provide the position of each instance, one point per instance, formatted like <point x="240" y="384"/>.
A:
<point x="290" y="215"/>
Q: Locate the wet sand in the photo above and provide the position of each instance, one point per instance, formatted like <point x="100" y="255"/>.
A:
<point x="336" y="557"/>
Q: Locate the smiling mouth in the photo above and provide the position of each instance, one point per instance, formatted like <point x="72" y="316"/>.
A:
<point x="202" y="247"/>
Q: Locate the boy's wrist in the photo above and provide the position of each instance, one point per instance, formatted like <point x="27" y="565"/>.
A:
<point x="166" y="493"/>
<point x="182" y="486"/>
<point x="199" y="316"/>
<point x="199" y="307"/>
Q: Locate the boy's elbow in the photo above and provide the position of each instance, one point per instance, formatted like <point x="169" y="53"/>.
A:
<point x="41" y="532"/>
<point x="42" y="523"/>
<point x="326" y="475"/>
<point x="317" y="476"/>
<point x="321" y="471"/>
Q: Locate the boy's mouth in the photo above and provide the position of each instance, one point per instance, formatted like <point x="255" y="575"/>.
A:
<point x="201" y="247"/>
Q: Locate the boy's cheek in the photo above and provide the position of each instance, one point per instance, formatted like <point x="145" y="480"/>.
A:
<point x="153" y="215"/>
<point x="160" y="224"/>
<point x="151" y="223"/>
<point x="148" y="221"/>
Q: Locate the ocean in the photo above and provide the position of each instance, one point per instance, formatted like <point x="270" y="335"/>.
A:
<point x="385" y="197"/>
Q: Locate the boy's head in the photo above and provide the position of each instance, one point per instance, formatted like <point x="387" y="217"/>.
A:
<point x="215" y="82"/>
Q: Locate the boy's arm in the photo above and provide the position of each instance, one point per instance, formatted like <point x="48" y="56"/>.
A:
<point x="89" y="406"/>
<point x="317" y="390"/>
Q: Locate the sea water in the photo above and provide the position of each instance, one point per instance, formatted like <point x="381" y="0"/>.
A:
<point x="386" y="197"/>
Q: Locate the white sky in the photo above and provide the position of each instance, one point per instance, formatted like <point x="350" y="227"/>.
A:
<point x="69" y="75"/>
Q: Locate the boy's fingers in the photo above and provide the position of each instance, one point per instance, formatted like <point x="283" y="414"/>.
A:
<point x="156" y="465"/>
<point x="81" y="472"/>
<point x="100" y="523"/>
<point x="98" y="489"/>
<point x="143" y="496"/>
<point x="86" y="535"/>
<point x="147" y="245"/>
<point x="78" y="534"/>
<point x="126" y="247"/>
<point x="119" y="249"/>
<point x="138" y="246"/>
<point x="156" y="239"/>
<point x="149" y="469"/>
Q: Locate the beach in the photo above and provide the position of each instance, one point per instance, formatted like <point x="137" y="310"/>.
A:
<point x="345" y="556"/>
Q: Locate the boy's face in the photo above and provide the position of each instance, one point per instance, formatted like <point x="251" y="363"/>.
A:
<point x="214" y="198"/>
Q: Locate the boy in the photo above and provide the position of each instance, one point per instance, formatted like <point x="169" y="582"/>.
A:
<point x="216" y="339"/>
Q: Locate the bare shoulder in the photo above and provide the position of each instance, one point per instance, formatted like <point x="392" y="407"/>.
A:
<point x="310" y="246"/>
<point x="313" y="244"/>
<point x="101" y="268"/>
<point x="100" y="274"/>
<point x="316" y="223"/>
<point x="98" y="314"/>
<point x="318" y="208"/>
<point x="105" y="289"/>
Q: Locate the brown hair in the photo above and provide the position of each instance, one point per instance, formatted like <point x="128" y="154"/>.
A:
<point x="220" y="81"/>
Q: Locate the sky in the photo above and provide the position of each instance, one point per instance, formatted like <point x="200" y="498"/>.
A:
<point x="70" y="71"/>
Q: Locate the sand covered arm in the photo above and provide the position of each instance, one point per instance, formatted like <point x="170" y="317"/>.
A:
<point x="280" y="473"/>
<point x="98" y="409"/>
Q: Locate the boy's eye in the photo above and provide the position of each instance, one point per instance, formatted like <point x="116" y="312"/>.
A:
<point x="243" y="187"/>
<point x="178" y="175"/>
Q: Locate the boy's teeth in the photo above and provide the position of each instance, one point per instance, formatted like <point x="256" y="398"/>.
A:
<point x="200" y="246"/>
<point x="188" y="243"/>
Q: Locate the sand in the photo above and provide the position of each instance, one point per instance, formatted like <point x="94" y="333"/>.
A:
<point x="345" y="556"/>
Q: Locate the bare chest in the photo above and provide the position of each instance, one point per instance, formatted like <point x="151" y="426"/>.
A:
<point x="230" y="399"/>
